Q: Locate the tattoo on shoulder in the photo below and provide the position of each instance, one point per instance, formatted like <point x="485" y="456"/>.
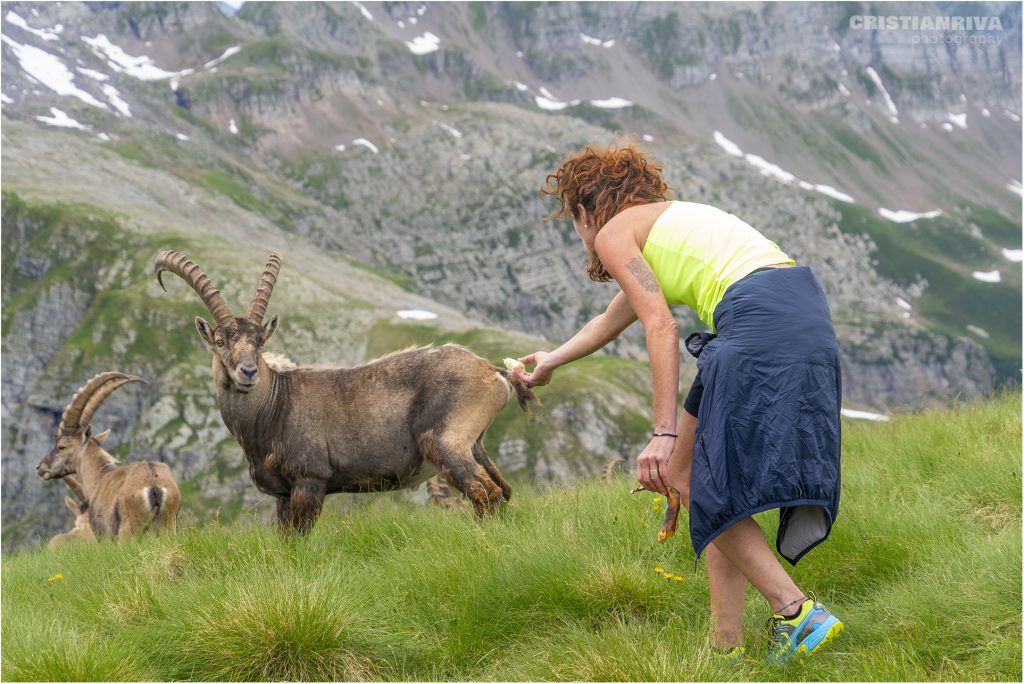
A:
<point x="643" y="274"/>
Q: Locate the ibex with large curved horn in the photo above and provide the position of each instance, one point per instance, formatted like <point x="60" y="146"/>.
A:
<point x="387" y="424"/>
<point x="121" y="501"/>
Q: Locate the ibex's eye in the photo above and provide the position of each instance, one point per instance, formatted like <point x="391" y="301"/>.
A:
<point x="220" y="343"/>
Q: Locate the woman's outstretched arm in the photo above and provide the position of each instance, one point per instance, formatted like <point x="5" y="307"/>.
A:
<point x="598" y="332"/>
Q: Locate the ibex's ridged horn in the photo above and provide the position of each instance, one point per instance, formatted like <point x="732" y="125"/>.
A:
<point x="258" y="308"/>
<point x="183" y="267"/>
<point x="88" y="398"/>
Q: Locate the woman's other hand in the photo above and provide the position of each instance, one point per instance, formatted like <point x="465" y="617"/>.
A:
<point x="652" y="464"/>
<point x="541" y="373"/>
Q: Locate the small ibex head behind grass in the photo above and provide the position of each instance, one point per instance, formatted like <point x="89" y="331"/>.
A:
<point x="82" y="531"/>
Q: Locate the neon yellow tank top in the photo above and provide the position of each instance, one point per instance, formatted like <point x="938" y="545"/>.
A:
<point x="697" y="251"/>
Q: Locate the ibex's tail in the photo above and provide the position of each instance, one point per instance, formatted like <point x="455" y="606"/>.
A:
<point x="154" y="496"/>
<point x="523" y="393"/>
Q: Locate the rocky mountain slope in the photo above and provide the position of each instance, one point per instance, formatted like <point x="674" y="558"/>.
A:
<point x="393" y="152"/>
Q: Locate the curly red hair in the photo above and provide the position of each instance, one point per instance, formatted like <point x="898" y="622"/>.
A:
<point x="605" y="181"/>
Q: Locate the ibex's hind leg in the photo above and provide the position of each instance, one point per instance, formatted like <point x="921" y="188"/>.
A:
<point x="484" y="460"/>
<point x="167" y="519"/>
<point x="462" y="471"/>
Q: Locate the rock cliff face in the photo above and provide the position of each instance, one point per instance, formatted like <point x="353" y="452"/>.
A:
<point x="394" y="152"/>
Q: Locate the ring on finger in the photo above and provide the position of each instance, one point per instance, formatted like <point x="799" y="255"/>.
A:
<point x="654" y="471"/>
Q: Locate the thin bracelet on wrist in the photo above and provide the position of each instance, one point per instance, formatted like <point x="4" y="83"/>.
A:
<point x="665" y="434"/>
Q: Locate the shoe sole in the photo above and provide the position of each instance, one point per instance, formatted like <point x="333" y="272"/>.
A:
<point x="802" y="651"/>
<point x="833" y="631"/>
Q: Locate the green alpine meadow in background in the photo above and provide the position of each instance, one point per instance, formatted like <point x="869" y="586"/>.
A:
<point x="923" y="567"/>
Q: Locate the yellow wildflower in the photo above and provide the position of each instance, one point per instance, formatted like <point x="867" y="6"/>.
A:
<point x="659" y="569"/>
<point x="56" y="577"/>
<point x="677" y="578"/>
<point x="657" y="499"/>
<point x="669" y="575"/>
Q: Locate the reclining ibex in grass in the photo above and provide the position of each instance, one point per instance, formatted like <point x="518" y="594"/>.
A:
<point x="387" y="424"/>
<point x="82" y="531"/>
<point x="121" y="501"/>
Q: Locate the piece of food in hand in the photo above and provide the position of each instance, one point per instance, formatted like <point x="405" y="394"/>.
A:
<point x="668" y="526"/>
<point x="513" y="364"/>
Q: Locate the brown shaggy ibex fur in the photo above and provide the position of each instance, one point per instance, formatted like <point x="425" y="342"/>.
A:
<point x="122" y="501"/>
<point x="387" y="424"/>
<point x="82" y="531"/>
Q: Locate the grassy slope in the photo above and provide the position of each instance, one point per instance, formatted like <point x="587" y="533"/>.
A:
<point x="924" y="566"/>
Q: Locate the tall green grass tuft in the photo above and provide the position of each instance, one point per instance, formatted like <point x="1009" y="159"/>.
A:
<point x="923" y="566"/>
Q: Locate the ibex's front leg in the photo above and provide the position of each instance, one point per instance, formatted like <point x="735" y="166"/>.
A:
<point x="284" y="505"/>
<point x="306" y="501"/>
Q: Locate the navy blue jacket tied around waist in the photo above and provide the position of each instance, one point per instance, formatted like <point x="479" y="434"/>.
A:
<point x="768" y="424"/>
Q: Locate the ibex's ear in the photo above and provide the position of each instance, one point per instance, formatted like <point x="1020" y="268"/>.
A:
<point x="205" y="331"/>
<point x="69" y="502"/>
<point x="270" y="327"/>
<point x="102" y="436"/>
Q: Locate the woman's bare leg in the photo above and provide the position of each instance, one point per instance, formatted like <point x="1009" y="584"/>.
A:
<point x="726" y="582"/>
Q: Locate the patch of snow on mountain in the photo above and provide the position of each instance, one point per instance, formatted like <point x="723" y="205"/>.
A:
<point x="612" y="103"/>
<point x="421" y="45"/>
<point x="980" y="332"/>
<point x="115" y="99"/>
<point x="5" y="99"/>
<point x="60" y="119"/>
<point x="833" y="193"/>
<point x="42" y="33"/>
<point x="769" y="169"/>
<point x="987" y="276"/>
<point x="142" y="67"/>
<point x="417" y="314"/>
<point x="958" y="120"/>
<point x="985" y="113"/>
<point x="521" y="87"/>
<point x="182" y="137"/>
<point x="1014" y="255"/>
<point x="729" y="146"/>
<point x="93" y="74"/>
<point x="901" y="216"/>
<point x="889" y="104"/>
<point x="366" y="12"/>
<point x="904" y="304"/>
<point x="1014" y="186"/>
<point x="227" y="53"/>
<point x="233" y="127"/>
<point x="48" y="70"/>
<point x="550" y="105"/>
<point x="367" y="144"/>
<point x="454" y="132"/>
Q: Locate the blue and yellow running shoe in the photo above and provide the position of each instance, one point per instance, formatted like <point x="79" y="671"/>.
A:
<point x="812" y="628"/>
